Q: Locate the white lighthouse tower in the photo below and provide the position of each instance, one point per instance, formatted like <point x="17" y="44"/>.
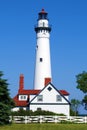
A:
<point x="43" y="63"/>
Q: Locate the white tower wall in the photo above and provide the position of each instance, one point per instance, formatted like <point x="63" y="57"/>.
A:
<point x="43" y="63"/>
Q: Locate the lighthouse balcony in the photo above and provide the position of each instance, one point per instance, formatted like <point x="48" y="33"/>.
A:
<point x="37" y="29"/>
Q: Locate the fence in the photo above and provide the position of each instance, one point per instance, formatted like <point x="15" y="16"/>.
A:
<point x="46" y="119"/>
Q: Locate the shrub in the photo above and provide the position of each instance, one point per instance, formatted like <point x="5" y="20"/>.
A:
<point x="22" y="112"/>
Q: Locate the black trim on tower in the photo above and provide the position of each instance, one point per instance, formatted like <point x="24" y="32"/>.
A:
<point x="42" y="15"/>
<point x="42" y="28"/>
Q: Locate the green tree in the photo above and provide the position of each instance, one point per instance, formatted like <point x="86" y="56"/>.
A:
<point x="81" y="80"/>
<point x="75" y="105"/>
<point x="6" y="103"/>
<point x="84" y="101"/>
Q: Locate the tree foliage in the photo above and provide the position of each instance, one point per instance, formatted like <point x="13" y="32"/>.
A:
<point x="6" y="102"/>
<point x="84" y="102"/>
<point x="81" y="80"/>
<point x="75" y="103"/>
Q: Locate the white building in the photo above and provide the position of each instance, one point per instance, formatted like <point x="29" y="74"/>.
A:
<point x="44" y="96"/>
<point x="49" y="98"/>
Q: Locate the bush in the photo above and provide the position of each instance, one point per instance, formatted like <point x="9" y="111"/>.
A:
<point x="22" y="112"/>
<point x="73" y="113"/>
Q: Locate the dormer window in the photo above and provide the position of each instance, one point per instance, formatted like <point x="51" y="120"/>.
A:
<point x="22" y="97"/>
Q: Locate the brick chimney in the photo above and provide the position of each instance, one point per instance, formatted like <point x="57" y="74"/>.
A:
<point x="47" y="80"/>
<point x="21" y="82"/>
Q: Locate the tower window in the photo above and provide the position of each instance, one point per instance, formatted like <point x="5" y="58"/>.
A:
<point x="37" y="46"/>
<point x="41" y="59"/>
<point x="43" y="24"/>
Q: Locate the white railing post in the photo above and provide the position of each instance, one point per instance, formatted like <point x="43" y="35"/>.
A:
<point x="55" y="119"/>
<point x="85" y="119"/>
<point x="10" y="120"/>
<point x="41" y="119"/>
<point x="25" y="119"/>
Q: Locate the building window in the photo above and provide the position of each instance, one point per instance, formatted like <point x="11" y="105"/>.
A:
<point x="49" y="88"/>
<point x="58" y="98"/>
<point x="41" y="59"/>
<point x="38" y="109"/>
<point x="40" y="98"/>
<point x="22" y="97"/>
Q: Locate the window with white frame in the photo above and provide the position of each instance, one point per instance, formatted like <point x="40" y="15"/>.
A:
<point x="22" y="97"/>
<point x="40" y="98"/>
<point x="58" y="98"/>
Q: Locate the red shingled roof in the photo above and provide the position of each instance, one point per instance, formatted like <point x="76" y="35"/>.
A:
<point x="32" y="92"/>
<point x="29" y="92"/>
<point x="26" y="92"/>
<point x="20" y="103"/>
<point x="63" y="92"/>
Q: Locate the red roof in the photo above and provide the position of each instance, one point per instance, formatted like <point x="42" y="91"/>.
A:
<point x="43" y="12"/>
<point x="28" y="92"/>
<point x="20" y="103"/>
<point x="63" y="92"/>
<point x="34" y="92"/>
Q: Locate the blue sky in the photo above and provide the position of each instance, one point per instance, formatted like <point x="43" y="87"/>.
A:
<point x="68" y="41"/>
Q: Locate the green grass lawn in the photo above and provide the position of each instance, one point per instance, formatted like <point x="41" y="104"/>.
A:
<point x="45" y="127"/>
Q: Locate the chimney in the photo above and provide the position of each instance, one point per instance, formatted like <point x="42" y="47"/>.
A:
<point x="21" y="82"/>
<point x="47" y="80"/>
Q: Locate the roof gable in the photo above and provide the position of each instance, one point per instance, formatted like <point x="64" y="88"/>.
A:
<point x="49" y="95"/>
